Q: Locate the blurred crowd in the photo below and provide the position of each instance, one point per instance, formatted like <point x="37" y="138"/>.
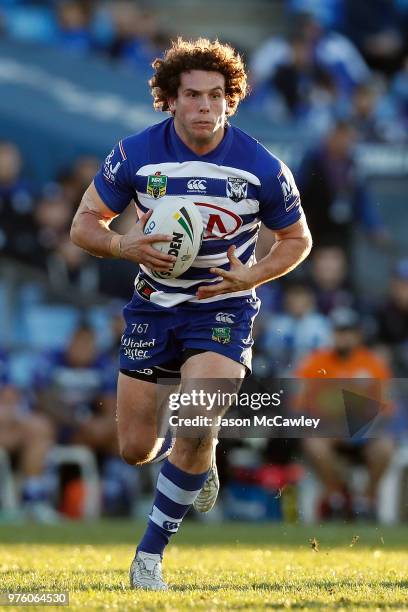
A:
<point x="35" y="226"/>
<point x="350" y="66"/>
<point x="58" y="369"/>
<point x="341" y="70"/>
<point x="332" y="60"/>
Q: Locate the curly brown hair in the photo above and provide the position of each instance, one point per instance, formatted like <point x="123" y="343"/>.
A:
<point x="200" y="54"/>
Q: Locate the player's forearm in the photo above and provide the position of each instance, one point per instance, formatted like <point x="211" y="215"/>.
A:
<point x="283" y="257"/>
<point x="92" y="234"/>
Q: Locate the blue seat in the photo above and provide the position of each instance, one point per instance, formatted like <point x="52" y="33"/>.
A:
<point x="99" y="319"/>
<point x="21" y="366"/>
<point x="48" y="326"/>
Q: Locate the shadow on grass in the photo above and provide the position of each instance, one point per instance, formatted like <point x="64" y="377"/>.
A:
<point x="292" y="593"/>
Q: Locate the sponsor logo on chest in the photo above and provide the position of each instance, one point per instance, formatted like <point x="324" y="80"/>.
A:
<point x="197" y="185"/>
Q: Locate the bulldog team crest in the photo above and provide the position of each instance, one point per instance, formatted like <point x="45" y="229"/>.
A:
<point x="237" y="189"/>
<point x="157" y="185"/>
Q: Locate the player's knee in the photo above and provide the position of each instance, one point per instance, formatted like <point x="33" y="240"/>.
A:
<point x="135" y="453"/>
<point x="190" y="448"/>
<point x="317" y="447"/>
<point x="39" y="428"/>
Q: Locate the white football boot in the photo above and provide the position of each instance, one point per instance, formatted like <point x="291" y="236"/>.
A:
<point x="146" y="572"/>
<point x="207" y="497"/>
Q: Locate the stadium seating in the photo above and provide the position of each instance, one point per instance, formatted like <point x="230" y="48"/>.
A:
<point x="392" y="505"/>
<point x="8" y="498"/>
<point x="48" y="326"/>
<point x="85" y="460"/>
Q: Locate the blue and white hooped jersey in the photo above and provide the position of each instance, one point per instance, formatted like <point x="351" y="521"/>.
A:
<point x="236" y="187"/>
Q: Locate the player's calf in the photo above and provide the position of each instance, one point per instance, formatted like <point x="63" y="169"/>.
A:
<point x="192" y="455"/>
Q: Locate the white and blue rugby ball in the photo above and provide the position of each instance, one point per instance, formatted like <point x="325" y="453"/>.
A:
<point x="182" y="220"/>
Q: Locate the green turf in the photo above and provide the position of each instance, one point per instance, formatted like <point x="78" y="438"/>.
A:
<point x="213" y="567"/>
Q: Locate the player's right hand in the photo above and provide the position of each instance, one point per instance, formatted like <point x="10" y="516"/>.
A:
<point x="137" y="246"/>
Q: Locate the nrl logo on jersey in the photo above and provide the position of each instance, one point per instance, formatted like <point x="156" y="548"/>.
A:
<point x="157" y="185"/>
<point x="237" y="189"/>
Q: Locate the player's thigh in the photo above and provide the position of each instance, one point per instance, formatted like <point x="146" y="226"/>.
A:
<point x="11" y="434"/>
<point x="217" y="375"/>
<point x="136" y="417"/>
<point x="211" y="365"/>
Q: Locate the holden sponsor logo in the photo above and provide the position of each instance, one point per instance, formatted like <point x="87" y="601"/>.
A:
<point x="197" y="185"/>
<point x="237" y="189"/>
<point x="218" y="221"/>
<point x="175" y="246"/>
<point x="146" y="372"/>
<point x="225" y="317"/>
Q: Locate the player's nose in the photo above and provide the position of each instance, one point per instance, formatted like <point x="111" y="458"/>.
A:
<point x="205" y="104"/>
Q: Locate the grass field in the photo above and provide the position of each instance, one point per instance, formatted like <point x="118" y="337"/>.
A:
<point x="230" y="566"/>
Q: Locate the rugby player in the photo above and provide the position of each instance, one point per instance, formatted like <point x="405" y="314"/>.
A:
<point x="199" y="324"/>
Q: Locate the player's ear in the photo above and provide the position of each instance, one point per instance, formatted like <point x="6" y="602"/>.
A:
<point x="172" y="104"/>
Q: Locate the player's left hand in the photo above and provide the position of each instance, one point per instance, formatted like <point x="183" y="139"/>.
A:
<point x="237" y="278"/>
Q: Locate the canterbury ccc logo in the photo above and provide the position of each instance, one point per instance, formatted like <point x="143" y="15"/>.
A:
<point x="225" y="317"/>
<point x="183" y="218"/>
<point x="170" y="526"/>
<point x="197" y="185"/>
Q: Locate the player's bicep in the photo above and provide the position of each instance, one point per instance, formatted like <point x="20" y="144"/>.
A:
<point x="92" y="202"/>
<point x="92" y="206"/>
<point x="299" y="229"/>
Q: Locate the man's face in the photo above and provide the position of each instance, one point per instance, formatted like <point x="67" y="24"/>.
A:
<point x="345" y="340"/>
<point x="200" y="107"/>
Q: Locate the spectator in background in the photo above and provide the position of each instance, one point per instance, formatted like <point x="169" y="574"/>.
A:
<point x="136" y="35"/>
<point x="375" y="27"/>
<point x="347" y="359"/>
<point x="393" y="319"/>
<point x="332" y="51"/>
<point x="51" y="215"/>
<point x="74" y="179"/>
<point x="288" y="336"/>
<point x="330" y="280"/>
<point x="305" y="86"/>
<point x="69" y="267"/>
<point x="399" y="91"/>
<point x="27" y="436"/>
<point x="334" y="197"/>
<point x="16" y="205"/>
<point x="76" y="389"/>
<point x="74" y="19"/>
<point x="374" y="117"/>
